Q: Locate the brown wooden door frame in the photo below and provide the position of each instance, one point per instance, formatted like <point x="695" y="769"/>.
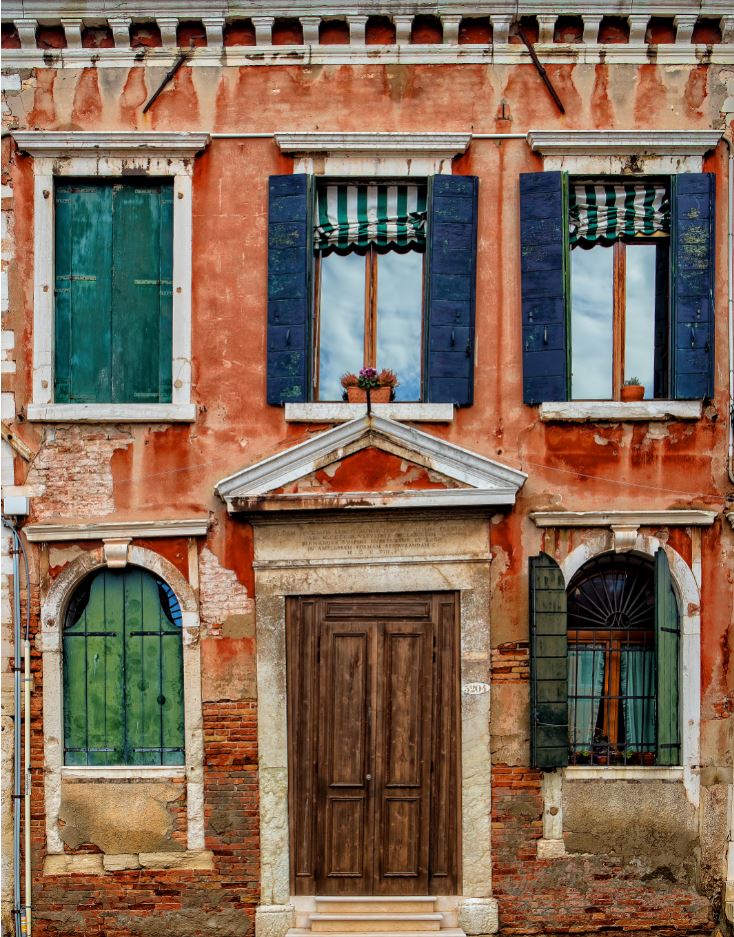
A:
<point x="404" y="767"/>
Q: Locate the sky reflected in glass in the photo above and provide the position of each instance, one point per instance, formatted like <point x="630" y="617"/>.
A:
<point x="591" y="323"/>
<point x="639" y="345"/>
<point x="342" y="321"/>
<point x="399" y="319"/>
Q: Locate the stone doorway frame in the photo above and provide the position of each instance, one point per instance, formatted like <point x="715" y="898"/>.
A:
<point x="447" y="551"/>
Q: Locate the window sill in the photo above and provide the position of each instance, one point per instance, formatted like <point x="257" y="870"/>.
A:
<point x="344" y="412"/>
<point x="623" y="773"/>
<point x="122" y="772"/>
<point x="112" y="413"/>
<point x="644" y="410"/>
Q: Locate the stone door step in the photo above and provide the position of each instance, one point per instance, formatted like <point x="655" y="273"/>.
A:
<point x="375" y="921"/>
<point x="443" y="932"/>
<point x="387" y="904"/>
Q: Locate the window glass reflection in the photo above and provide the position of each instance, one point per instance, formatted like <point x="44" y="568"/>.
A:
<point x="341" y="321"/>
<point x="399" y="319"/>
<point x="639" y="346"/>
<point x="591" y="323"/>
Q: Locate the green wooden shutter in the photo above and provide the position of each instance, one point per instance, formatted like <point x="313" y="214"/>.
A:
<point x="548" y="664"/>
<point x="114" y="267"/>
<point x="667" y="643"/>
<point x="123" y="674"/>
<point x="142" y="261"/>
<point x="83" y="258"/>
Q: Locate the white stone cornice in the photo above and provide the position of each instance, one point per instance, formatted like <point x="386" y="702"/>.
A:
<point x="55" y="143"/>
<point x="407" y="145"/>
<point x="106" y="530"/>
<point x="671" y="518"/>
<point x="623" y="142"/>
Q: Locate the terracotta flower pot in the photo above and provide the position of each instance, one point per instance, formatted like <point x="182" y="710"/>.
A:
<point x="359" y="394"/>
<point x="632" y="392"/>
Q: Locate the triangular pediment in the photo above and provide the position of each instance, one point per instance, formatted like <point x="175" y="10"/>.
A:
<point x="367" y="463"/>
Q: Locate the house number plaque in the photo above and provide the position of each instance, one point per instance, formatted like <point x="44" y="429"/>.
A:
<point x="475" y="689"/>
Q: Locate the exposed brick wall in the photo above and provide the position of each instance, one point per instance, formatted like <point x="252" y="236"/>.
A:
<point x="510" y="662"/>
<point x="578" y="894"/>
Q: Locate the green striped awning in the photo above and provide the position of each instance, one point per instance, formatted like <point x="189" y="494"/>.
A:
<point x="609" y="211"/>
<point x="349" y="215"/>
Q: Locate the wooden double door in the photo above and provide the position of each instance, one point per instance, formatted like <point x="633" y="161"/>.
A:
<point x="373" y="719"/>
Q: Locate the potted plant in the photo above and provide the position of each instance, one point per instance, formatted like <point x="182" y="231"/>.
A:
<point x="632" y="390"/>
<point x="381" y="385"/>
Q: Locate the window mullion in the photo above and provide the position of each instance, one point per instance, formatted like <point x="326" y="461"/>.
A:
<point x="316" y="346"/>
<point x="618" y="313"/>
<point x="370" y="325"/>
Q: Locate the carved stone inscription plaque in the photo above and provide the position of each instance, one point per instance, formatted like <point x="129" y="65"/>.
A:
<point x="378" y="540"/>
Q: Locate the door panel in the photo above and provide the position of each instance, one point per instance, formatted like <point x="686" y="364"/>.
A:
<point x="373" y="744"/>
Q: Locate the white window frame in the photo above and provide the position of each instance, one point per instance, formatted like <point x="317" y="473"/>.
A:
<point x="371" y="156"/>
<point x="633" y="154"/>
<point x="53" y="612"/>
<point x="85" y="154"/>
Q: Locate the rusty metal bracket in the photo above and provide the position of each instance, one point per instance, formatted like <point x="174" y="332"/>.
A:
<point x="541" y="71"/>
<point x="169" y="75"/>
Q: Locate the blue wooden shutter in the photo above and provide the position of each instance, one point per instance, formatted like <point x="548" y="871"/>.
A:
<point x="692" y="285"/>
<point x="548" y="664"/>
<point x="142" y="270"/>
<point x="290" y="260"/>
<point x="544" y="260"/>
<point x="83" y="279"/>
<point x="451" y="288"/>
<point x="667" y="648"/>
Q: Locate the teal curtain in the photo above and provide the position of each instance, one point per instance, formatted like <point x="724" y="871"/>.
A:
<point x="585" y="684"/>
<point x="638" y="680"/>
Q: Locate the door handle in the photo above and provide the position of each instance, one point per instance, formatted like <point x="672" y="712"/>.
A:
<point x="368" y="777"/>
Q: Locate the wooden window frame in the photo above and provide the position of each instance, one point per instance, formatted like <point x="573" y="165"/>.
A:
<point x="619" y="315"/>
<point x="371" y="254"/>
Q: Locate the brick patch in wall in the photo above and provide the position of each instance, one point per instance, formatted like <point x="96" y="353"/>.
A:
<point x="510" y="662"/>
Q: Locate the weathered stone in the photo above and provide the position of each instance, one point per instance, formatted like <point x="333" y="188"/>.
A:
<point x="121" y="862"/>
<point x="65" y="864"/>
<point x="274" y="920"/>
<point x="118" y="817"/>
<point x="194" y="859"/>
<point x="479" y="915"/>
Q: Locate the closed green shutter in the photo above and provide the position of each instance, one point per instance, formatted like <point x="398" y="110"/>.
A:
<point x="548" y="664"/>
<point x="123" y="673"/>
<point x="667" y="644"/>
<point x="114" y="262"/>
<point x="83" y="301"/>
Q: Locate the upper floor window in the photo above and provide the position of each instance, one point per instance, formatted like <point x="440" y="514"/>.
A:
<point x="369" y="244"/>
<point x="376" y="274"/>
<point x="619" y="240"/>
<point x="617" y="284"/>
<point x="113" y="291"/>
<point x="605" y="662"/>
<point x="123" y="672"/>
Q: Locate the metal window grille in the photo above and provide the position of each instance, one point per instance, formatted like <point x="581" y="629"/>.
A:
<point x="611" y="661"/>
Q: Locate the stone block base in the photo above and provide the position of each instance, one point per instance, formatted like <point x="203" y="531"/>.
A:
<point x="478" y="916"/>
<point x="274" y="920"/>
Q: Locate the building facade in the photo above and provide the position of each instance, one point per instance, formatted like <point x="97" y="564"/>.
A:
<point x="458" y="660"/>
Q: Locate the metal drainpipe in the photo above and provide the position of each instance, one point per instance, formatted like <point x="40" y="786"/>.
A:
<point x="17" y="911"/>
<point x="730" y="301"/>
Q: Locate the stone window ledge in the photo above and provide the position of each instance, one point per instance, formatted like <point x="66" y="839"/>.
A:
<point x="623" y="773"/>
<point x="99" y="864"/>
<point x="112" y="413"/>
<point x="122" y="772"/>
<point x="616" y="411"/>
<point x="344" y="412"/>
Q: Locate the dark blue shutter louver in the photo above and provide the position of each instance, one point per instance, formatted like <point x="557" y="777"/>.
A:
<point x="450" y="289"/>
<point x="543" y="241"/>
<point x="290" y="252"/>
<point x="692" y="285"/>
<point x="548" y="664"/>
